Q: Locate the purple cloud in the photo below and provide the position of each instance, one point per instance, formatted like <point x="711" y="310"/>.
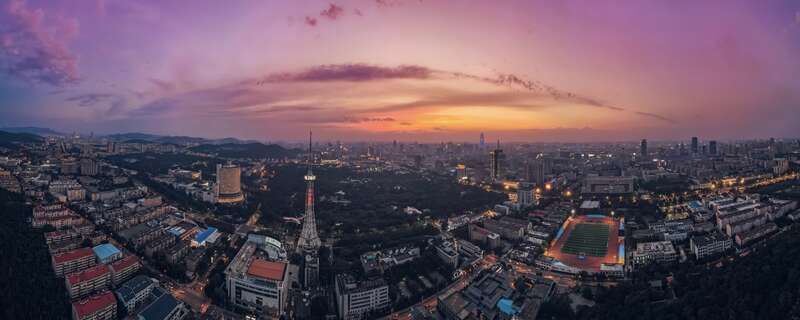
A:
<point x="312" y="22"/>
<point x="116" y="103"/>
<point x="89" y="99"/>
<point x="351" y="72"/>
<point x="333" y="12"/>
<point x="33" y="45"/>
<point x="655" y="116"/>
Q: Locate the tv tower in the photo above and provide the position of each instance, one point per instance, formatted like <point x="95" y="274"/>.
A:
<point x="309" y="240"/>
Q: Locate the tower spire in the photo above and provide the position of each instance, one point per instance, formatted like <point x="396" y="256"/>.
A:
<point x="310" y="154"/>
<point x="309" y="240"/>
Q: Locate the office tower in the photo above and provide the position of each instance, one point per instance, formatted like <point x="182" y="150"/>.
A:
<point x="643" y="149"/>
<point x="712" y="147"/>
<point x="495" y="162"/>
<point x="695" y="148"/>
<point x="482" y="142"/>
<point x="229" y="184"/>
<point x="308" y="244"/>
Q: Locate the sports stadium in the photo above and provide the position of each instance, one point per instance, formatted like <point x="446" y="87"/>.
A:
<point x="594" y="243"/>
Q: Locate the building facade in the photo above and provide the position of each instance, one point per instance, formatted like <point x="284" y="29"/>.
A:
<point x="356" y="299"/>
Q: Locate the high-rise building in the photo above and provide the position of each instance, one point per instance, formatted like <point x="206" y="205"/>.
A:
<point x="539" y="169"/>
<point x="643" y="149"/>
<point x="695" y="147"/>
<point x="111" y="147"/>
<point x="89" y="167"/>
<point x="496" y="155"/>
<point x="354" y="299"/>
<point x="712" y="147"/>
<point x="229" y="184"/>
<point x="482" y="142"/>
<point x="525" y="196"/>
<point x="461" y="172"/>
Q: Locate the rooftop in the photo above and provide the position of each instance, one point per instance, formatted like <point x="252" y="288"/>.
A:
<point x="271" y="270"/>
<point x="73" y="255"/>
<point x="88" y="274"/>
<point x="93" y="304"/>
<point x="105" y="250"/>
<point x="160" y="308"/>
<point x="124" y="262"/>
<point x="203" y="235"/>
<point x="133" y="286"/>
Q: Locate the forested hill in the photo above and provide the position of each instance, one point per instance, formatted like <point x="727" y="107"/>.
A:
<point x="30" y="289"/>
<point x="246" y="150"/>
<point x="11" y="140"/>
<point x="762" y="285"/>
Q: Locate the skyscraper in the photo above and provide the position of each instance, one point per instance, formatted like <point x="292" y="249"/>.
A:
<point x="643" y="149"/>
<point x="538" y="172"/>
<point x="482" y="142"/>
<point x="229" y="184"/>
<point x="308" y="244"/>
<point x="495" y="163"/>
<point x="712" y="147"/>
<point x="695" y="148"/>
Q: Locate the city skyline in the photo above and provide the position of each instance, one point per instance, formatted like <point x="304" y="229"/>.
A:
<point x="386" y="70"/>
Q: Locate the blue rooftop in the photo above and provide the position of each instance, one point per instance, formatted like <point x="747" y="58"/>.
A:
<point x="507" y="306"/>
<point x="106" y="250"/>
<point x="160" y="308"/>
<point x="203" y="235"/>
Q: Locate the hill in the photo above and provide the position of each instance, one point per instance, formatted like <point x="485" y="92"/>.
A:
<point x="33" y="130"/>
<point x="246" y="150"/>
<point x="140" y="137"/>
<point x="12" y="140"/>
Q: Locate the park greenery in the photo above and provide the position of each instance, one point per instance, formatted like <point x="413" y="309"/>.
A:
<point x="30" y="288"/>
<point x="373" y="215"/>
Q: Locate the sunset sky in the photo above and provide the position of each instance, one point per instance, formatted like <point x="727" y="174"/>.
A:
<point x="414" y="70"/>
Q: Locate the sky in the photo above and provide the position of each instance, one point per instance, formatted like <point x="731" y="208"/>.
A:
<point x="408" y="70"/>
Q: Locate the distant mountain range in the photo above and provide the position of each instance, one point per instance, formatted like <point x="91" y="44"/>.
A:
<point x="33" y="130"/>
<point x="253" y="150"/>
<point x="139" y="137"/>
<point x="225" y="147"/>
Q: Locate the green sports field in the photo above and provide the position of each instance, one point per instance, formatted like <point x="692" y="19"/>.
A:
<point x="590" y="239"/>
